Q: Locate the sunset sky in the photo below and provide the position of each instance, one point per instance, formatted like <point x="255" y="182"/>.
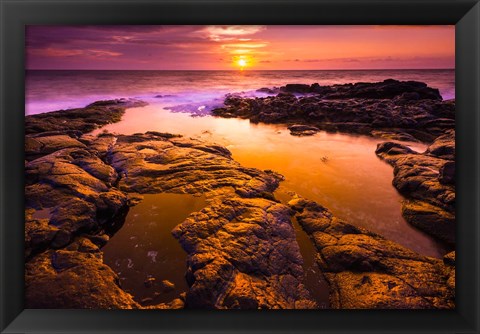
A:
<point x="239" y="47"/>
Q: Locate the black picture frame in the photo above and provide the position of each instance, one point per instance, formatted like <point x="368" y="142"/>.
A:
<point x="15" y="14"/>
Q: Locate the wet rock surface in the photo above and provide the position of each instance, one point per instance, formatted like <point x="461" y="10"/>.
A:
<point x="153" y="162"/>
<point x="241" y="248"/>
<point x="69" y="203"/>
<point x="364" y="270"/>
<point x="78" y="188"/>
<point x="73" y="277"/>
<point x="389" y="88"/>
<point x="79" y="120"/>
<point x="404" y="108"/>
<point x="302" y="130"/>
<point x="243" y="255"/>
<point x="427" y="180"/>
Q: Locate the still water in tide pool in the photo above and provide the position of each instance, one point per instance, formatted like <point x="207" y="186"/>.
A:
<point x="339" y="171"/>
<point x="144" y="252"/>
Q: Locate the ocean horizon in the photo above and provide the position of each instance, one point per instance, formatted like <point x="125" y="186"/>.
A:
<point x="49" y="90"/>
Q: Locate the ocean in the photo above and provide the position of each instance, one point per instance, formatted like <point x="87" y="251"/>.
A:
<point x="190" y="90"/>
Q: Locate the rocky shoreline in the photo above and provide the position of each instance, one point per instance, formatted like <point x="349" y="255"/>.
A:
<point x="366" y="271"/>
<point x="85" y="182"/>
<point x="403" y="110"/>
<point x="390" y="110"/>
<point x="427" y="180"/>
<point x="242" y="251"/>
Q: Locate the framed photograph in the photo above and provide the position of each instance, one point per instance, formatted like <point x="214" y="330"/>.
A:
<point x="240" y="166"/>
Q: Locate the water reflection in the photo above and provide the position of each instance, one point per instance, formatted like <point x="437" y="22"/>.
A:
<point x="150" y="262"/>
<point x="314" y="279"/>
<point x="339" y="171"/>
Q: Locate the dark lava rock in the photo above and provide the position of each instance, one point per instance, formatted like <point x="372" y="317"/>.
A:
<point x="392" y="148"/>
<point x="405" y="107"/>
<point x="267" y="90"/>
<point x="84" y="182"/>
<point x="410" y="96"/>
<point x="303" y="88"/>
<point x="447" y="173"/>
<point x="302" y="130"/>
<point x="388" y="89"/>
<point x="149" y="163"/>
<point x="72" y="279"/>
<point x="427" y="180"/>
<point x="84" y="120"/>
<point x="391" y="88"/>
<point x="296" y="88"/>
<point x="444" y="146"/>
<point x="243" y="254"/>
<point x="394" y="135"/>
<point x="85" y="193"/>
<point x="431" y="219"/>
<point x="366" y="271"/>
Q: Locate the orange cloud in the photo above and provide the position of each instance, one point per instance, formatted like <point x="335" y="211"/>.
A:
<point x="226" y="33"/>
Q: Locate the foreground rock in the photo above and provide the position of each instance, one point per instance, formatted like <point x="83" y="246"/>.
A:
<point x="241" y="249"/>
<point x="78" y="190"/>
<point x="70" y="204"/>
<point x="73" y="277"/>
<point x="366" y="271"/>
<point x="156" y="162"/>
<point x="427" y="180"/>
<point x="396" y="107"/>
<point x="243" y="255"/>
<point x="79" y="120"/>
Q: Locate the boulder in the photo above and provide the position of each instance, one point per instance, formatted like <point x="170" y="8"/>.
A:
<point x="366" y="271"/>
<point x="83" y="120"/>
<point x="302" y="130"/>
<point x="242" y="254"/>
<point x="73" y="280"/>
<point x="447" y="173"/>
<point x="428" y="181"/>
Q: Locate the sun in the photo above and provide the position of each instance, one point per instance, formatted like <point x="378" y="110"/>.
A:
<point x="242" y="62"/>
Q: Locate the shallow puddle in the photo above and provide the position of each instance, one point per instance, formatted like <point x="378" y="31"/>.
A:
<point x="145" y="255"/>
<point x="314" y="280"/>
<point x="339" y="171"/>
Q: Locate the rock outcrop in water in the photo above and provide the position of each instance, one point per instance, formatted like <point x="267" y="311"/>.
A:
<point x="366" y="271"/>
<point x="243" y="254"/>
<point x="388" y="89"/>
<point x="393" y="110"/>
<point x="427" y="180"/>
<point x="80" y="120"/>
<point x="78" y="189"/>
<point x="399" y="108"/>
